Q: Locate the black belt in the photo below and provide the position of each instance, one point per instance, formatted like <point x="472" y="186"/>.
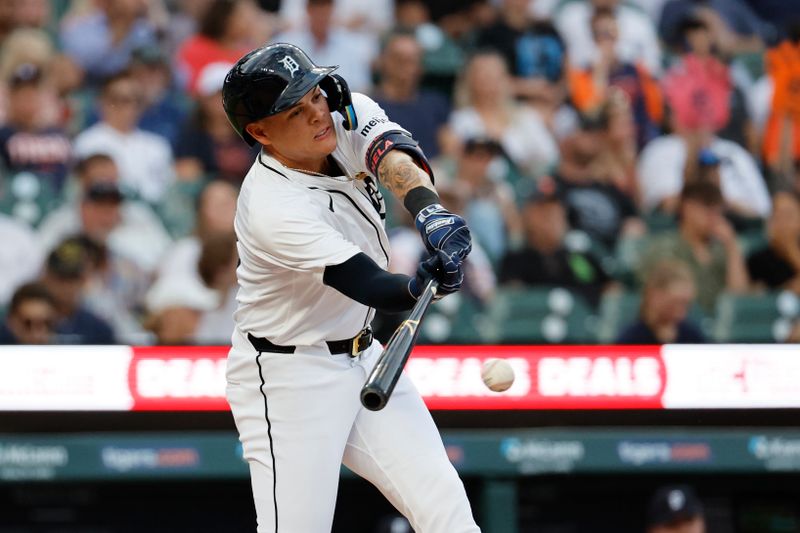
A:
<point x="353" y="346"/>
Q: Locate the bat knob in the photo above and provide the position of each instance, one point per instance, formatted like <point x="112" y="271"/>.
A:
<point x="372" y="399"/>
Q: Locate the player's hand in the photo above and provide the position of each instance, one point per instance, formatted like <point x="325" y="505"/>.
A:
<point x="443" y="230"/>
<point x="446" y="269"/>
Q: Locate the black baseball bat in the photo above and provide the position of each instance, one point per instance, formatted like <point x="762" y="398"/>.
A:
<point x="381" y="381"/>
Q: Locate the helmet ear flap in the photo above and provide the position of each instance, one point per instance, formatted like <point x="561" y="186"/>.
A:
<point x="340" y="100"/>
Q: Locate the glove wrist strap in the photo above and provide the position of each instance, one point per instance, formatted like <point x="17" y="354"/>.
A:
<point x="419" y="198"/>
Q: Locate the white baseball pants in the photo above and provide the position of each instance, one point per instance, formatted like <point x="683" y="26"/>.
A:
<point x="299" y="418"/>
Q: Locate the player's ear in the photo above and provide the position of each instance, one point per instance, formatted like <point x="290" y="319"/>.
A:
<point x="258" y="132"/>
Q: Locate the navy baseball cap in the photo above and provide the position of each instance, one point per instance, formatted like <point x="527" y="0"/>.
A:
<point x="708" y="158"/>
<point x="25" y="74"/>
<point x="104" y="191"/>
<point x="672" y="505"/>
<point x="68" y="260"/>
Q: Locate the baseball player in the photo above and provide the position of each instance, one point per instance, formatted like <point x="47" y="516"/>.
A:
<point x="314" y="253"/>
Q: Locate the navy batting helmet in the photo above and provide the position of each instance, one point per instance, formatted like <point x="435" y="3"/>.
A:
<point x="273" y="78"/>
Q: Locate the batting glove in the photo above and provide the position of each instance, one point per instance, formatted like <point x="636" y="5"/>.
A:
<point x="443" y="230"/>
<point x="446" y="269"/>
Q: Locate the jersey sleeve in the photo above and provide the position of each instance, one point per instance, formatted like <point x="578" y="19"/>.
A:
<point x="372" y="122"/>
<point x="290" y="233"/>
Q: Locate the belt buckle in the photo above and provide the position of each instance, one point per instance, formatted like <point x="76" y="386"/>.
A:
<point x="361" y="342"/>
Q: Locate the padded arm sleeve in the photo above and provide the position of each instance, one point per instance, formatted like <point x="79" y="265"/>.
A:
<point x="362" y="280"/>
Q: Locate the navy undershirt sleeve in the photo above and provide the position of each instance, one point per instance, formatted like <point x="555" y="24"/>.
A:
<point x="362" y="280"/>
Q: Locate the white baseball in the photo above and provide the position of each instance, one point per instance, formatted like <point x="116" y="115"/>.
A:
<point x="497" y="374"/>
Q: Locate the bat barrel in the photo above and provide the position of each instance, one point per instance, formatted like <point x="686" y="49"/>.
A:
<point x="381" y="381"/>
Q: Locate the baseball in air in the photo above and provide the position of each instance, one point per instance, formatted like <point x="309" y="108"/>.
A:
<point x="497" y="374"/>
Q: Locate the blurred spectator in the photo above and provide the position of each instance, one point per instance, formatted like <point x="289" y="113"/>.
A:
<point x="164" y="108"/>
<point x="32" y="13"/>
<point x="597" y="174"/>
<point x="411" y="14"/>
<point x="704" y="91"/>
<point x="698" y="87"/>
<point x="27" y="143"/>
<point x="66" y="275"/>
<point x="207" y="146"/>
<point x="368" y="16"/>
<point x="781" y="144"/>
<point x="706" y="87"/>
<point x="637" y="42"/>
<point x="227" y="30"/>
<point x="488" y="109"/>
<point x="114" y="290"/>
<point x="675" y="509"/>
<point x="25" y="46"/>
<point x="589" y="87"/>
<point x="421" y="111"/>
<point x="488" y="200"/>
<point x="545" y="259"/>
<point x="533" y="49"/>
<point x="780" y="13"/>
<point x="217" y="268"/>
<point x="102" y="40"/>
<point x="20" y="256"/>
<point x="31" y="316"/>
<point x="328" y="44"/>
<point x="130" y="229"/>
<point x="184" y="19"/>
<point x="144" y="159"/>
<point x="705" y="241"/>
<point x="667" y="296"/>
<point x="736" y="27"/>
<point x="175" y="308"/>
<point x="703" y="164"/>
<point x="663" y="161"/>
<point x="29" y="46"/>
<point x="7" y="19"/>
<point x="215" y="209"/>
<point x="777" y="264"/>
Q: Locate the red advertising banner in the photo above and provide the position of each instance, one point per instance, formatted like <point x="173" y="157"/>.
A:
<point x="123" y="378"/>
<point x="183" y="378"/>
<point x="546" y="377"/>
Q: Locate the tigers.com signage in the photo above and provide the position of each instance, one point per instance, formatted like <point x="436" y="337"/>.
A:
<point x="122" y="378"/>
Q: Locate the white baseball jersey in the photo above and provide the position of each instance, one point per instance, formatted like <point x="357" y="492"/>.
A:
<point x="291" y="225"/>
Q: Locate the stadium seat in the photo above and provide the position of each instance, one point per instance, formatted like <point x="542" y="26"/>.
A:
<point x="617" y="309"/>
<point x="658" y="222"/>
<point x="755" y="317"/>
<point x="456" y="319"/>
<point x="539" y="315"/>
<point x="28" y="198"/>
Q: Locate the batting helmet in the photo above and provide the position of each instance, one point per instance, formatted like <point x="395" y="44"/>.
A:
<point x="273" y="78"/>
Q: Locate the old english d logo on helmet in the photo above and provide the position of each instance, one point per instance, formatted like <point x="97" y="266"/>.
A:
<point x="273" y="78"/>
<point x="290" y="65"/>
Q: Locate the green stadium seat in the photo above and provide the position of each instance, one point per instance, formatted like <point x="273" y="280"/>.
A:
<point x="617" y="309"/>
<point x="456" y="319"/>
<point x="755" y="317"/>
<point x="658" y="222"/>
<point x="539" y="315"/>
<point x="28" y="198"/>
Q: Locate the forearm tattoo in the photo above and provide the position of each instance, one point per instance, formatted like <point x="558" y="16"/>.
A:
<point x="399" y="173"/>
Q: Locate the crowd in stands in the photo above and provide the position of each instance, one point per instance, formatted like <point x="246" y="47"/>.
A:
<point x="648" y="148"/>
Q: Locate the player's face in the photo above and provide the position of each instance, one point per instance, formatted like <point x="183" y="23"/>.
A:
<point x="302" y="136"/>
